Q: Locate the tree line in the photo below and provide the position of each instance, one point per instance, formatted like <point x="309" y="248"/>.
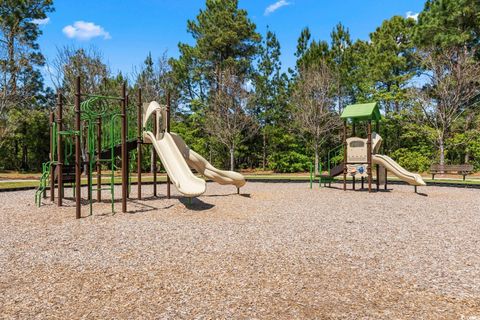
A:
<point x="234" y="102"/>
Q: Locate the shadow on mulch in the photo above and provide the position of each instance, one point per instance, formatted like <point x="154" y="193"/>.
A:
<point x="196" y="204"/>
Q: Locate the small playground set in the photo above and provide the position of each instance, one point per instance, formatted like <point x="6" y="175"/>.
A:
<point x="109" y="128"/>
<point x="361" y="155"/>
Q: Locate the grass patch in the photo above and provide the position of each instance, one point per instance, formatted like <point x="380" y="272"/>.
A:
<point x="252" y="177"/>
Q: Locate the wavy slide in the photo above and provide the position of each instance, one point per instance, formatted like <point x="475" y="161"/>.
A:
<point x="411" y="178"/>
<point x="202" y="166"/>
<point x="175" y="165"/>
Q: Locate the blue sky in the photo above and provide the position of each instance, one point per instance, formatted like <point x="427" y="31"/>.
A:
<point x="126" y="30"/>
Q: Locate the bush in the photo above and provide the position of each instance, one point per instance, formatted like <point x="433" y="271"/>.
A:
<point x="288" y="162"/>
<point x="412" y="160"/>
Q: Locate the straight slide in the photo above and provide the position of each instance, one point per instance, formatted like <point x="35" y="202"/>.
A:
<point x="413" y="179"/>
<point x="202" y="166"/>
<point x="177" y="169"/>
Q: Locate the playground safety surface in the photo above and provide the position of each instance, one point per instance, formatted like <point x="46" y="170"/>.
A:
<point x="278" y="251"/>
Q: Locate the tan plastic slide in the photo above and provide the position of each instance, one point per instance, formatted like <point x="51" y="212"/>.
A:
<point x="202" y="166"/>
<point x="177" y="169"/>
<point x="177" y="158"/>
<point x="411" y="178"/>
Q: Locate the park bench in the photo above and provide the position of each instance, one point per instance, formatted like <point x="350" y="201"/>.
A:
<point x="461" y="169"/>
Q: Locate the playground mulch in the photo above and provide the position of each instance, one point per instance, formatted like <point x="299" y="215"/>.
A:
<point x="278" y="251"/>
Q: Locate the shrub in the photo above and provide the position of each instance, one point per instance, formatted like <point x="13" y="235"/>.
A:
<point x="290" y="161"/>
<point x="413" y="160"/>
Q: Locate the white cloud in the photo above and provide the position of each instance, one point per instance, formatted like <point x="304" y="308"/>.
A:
<point x="275" y="6"/>
<point x="82" y="30"/>
<point x="413" y="15"/>
<point x="41" y="22"/>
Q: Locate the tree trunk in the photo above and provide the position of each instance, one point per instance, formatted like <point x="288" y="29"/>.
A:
<point x="441" y="147"/>
<point x="232" y="158"/>
<point x="264" y="160"/>
<point x="25" y="157"/>
<point x="11" y="63"/>
<point x="316" y="159"/>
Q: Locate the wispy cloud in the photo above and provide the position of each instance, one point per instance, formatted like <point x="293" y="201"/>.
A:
<point x="41" y="22"/>
<point x="275" y="6"/>
<point x="82" y="30"/>
<point x="412" y="15"/>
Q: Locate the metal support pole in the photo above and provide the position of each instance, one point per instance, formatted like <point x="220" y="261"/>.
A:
<point x="52" y="158"/>
<point x="345" y="155"/>
<point x="89" y="171"/>
<point x="99" y="163"/>
<point x="369" y="155"/>
<point x="354" y="133"/>
<point x="124" y="149"/>
<point x="154" y="157"/>
<point x="168" y="131"/>
<point x="127" y="102"/>
<point x="59" y="168"/>
<point x="78" y="172"/>
<point x="377" y="166"/>
<point x="139" y="144"/>
<point x="386" y="179"/>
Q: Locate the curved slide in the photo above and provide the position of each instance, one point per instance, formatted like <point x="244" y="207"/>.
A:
<point x="175" y="165"/>
<point x="202" y="166"/>
<point x="411" y="178"/>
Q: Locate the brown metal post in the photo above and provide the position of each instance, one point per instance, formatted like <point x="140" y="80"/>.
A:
<point x="168" y="130"/>
<point x="127" y="102"/>
<point x="369" y="155"/>
<point x="59" y="168"/>
<point x="124" y="149"/>
<point x="377" y="167"/>
<point x="154" y="158"/>
<point x="51" y="158"/>
<point x="78" y="172"/>
<point x="99" y="163"/>
<point x="354" y="134"/>
<point x="386" y="179"/>
<point x="139" y="144"/>
<point x="345" y="155"/>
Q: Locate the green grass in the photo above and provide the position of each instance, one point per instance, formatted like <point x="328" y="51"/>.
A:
<point x="273" y="177"/>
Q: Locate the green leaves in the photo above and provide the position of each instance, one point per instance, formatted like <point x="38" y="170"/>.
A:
<point x="447" y="23"/>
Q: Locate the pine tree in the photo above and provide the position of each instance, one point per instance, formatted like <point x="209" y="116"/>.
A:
<point x="342" y="64"/>
<point x="270" y="90"/>
<point x="19" y="34"/>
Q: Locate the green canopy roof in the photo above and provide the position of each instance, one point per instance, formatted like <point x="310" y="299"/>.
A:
<point x="361" y="112"/>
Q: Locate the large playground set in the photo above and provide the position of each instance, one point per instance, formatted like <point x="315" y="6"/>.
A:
<point x="105" y="129"/>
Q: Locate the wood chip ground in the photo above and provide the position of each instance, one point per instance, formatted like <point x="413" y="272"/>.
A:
<point x="278" y="251"/>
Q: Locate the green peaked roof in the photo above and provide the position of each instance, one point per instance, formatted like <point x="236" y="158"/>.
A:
<point x="364" y="111"/>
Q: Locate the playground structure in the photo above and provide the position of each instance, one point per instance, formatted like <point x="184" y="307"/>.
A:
<point x="360" y="155"/>
<point x="178" y="158"/>
<point x="103" y="135"/>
